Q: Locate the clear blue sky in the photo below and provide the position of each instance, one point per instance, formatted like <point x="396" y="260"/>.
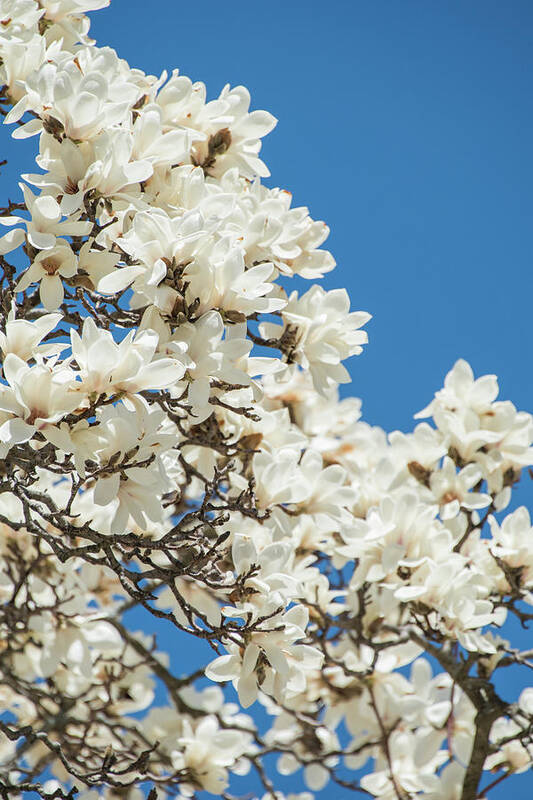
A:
<point x="407" y="126"/>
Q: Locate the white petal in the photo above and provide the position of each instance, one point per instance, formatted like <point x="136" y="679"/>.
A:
<point x="250" y="660"/>
<point x="247" y="689"/>
<point x="223" y="668"/>
<point x="106" y="489"/>
<point x="11" y="240"/>
<point x="277" y="659"/>
<point x="118" y="280"/>
<point x="408" y="593"/>
<point x="16" y="431"/>
<point x="157" y="375"/>
<point x="316" y="777"/>
<point x="51" y="292"/>
<point x="30" y="128"/>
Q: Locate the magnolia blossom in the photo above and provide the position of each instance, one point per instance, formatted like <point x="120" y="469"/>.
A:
<point x="22" y="58"/>
<point x="24" y="338"/>
<point x="206" y="752"/>
<point x="106" y="366"/>
<point x="48" y="267"/>
<point x="319" y="332"/>
<point x="88" y="93"/>
<point x="34" y="397"/>
<point x="45" y="223"/>
<point x="225" y="283"/>
<point x="271" y="658"/>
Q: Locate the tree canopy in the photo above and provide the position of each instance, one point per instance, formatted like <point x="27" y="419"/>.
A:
<point x="172" y="439"/>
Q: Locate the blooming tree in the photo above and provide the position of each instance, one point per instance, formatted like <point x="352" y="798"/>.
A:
<point x="171" y="439"/>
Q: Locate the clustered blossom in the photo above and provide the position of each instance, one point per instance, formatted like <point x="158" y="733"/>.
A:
<point x="172" y="441"/>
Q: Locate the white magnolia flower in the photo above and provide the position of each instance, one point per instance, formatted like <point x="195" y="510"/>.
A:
<point x="21" y="58"/>
<point x="152" y="143"/>
<point x="105" y="166"/>
<point x="18" y="17"/>
<point x="47" y="269"/>
<point x="271" y="231"/>
<point x="290" y="736"/>
<point x="272" y="570"/>
<point x="24" y="338"/>
<point x="80" y="96"/>
<point x="329" y="497"/>
<point x="156" y="241"/>
<point x="220" y="281"/>
<point x="36" y="396"/>
<point x="271" y="657"/>
<point x="45" y="223"/>
<point x="319" y="331"/>
<point x="108" y="367"/>
<point x="451" y="489"/>
<point x="209" y="357"/>
<point x="511" y="543"/>
<point x="130" y="479"/>
<point x="206" y="751"/>
<point x="232" y="134"/>
<point x="57" y="10"/>
<point x="76" y="645"/>
<point x="241" y="146"/>
<point x="279" y="478"/>
<point x="462" y="391"/>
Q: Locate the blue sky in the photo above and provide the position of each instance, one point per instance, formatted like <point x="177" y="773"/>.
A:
<point x="407" y="126"/>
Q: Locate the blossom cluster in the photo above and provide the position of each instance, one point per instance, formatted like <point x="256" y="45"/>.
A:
<point x="172" y="440"/>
